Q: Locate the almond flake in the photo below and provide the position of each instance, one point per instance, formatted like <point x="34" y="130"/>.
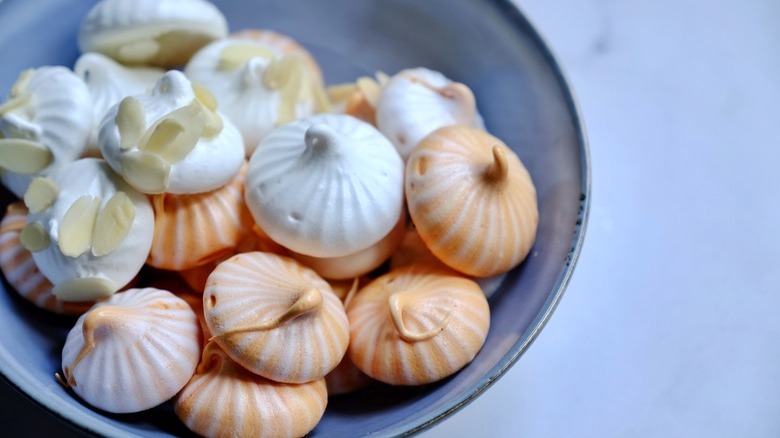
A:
<point x="113" y="224"/>
<point x="146" y="172"/>
<point x="23" y="156"/>
<point x="83" y="289"/>
<point x="236" y="55"/>
<point x="40" y="194"/>
<point x="176" y="134"/>
<point x="34" y="237"/>
<point x="131" y="122"/>
<point x="75" y="233"/>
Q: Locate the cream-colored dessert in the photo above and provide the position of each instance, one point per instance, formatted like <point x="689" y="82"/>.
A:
<point x="171" y="140"/>
<point x="275" y="317"/>
<point x="415" y="102"/>
<point x="133" y="351"/>
<point x="472" y="182"/>
<point x="109" y="82"/>
<point x="224" y="399"/>
<point x="258" y="86"/>
<point x="326" y="186"/>
<point x="151" y="32"/>
<point x="417" y="325"/>
<point x="192" y="230"/>
<point x="44" y="123"/>
<point x="89" y="231"/>
<point x="20" y="269"/>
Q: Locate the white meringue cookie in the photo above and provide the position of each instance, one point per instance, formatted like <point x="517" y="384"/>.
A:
<point x="325" y="186"/>
<point x="212" y="162"/>
<point x="240" y="72"/>
<point x="133" y="351"/>
<point x="44" y="124"/>
<point x="90" y="233"/>
<point x="109" y="82"/>
<point x="416" y="102"/>
<point x="151" y="32"/>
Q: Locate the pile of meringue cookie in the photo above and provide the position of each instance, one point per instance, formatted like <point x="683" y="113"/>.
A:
<point x="237" y="230"/>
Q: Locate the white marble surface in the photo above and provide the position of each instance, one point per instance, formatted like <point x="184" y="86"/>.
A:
<point x="670" y="325"/>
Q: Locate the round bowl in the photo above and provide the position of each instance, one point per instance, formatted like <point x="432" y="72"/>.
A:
<point x="525" y="100"/>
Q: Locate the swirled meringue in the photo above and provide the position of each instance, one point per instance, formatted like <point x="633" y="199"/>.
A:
<point x="152" y="32"/>
<point x="258" y="86"/>
<point x="417" y="101"/>
<point x="326" y="186"/>
<point x="171" y="140"/>
<point x="88" y="230"/>
<point x="44" y="124"/>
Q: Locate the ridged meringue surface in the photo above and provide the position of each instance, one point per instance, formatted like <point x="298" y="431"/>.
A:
<point x="150" y="165"/>
<point x="133" y="351"/>
<point x="192" y="230"/>
<point x="472" y="201"/>
<point x="275" y="317"/>
<point x="49" y="106"/>
<point x="325" y="186"/>
<point x="416" y="325"/>
<point x="239" y="72"/>
<point x="224" y="399"/>
<point x="415" y="102"/>
<point x="20" y="269"/>
<point x="109" y="82"/>
<point x="86" y="188"/>
<point x="151" y="32"/>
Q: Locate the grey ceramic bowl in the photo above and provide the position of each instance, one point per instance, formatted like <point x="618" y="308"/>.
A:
<point x="488" y="45"/>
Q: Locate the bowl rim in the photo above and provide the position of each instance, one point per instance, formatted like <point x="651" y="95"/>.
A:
<point x="516" y="16"/>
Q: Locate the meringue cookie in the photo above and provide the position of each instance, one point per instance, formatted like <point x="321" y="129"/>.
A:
<point x="44" y="124"/>
<point x="133" y="351"/>
<point x="171" y="140"/>
<point x="88" y="230"/>
<point x="258" y="86"/>
<point x="415" y="102"/>
<point x="109" y="82"/>
<point x="325" y="186"/>
<point x="153" y="32"/>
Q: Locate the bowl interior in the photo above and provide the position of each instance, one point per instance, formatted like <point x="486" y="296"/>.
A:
<point x="487" y="45"/>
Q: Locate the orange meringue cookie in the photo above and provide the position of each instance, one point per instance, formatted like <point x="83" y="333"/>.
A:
<point x="417" y="324"/>
<point x="194" y="229"/>
<point x="275" y="317"/>
<point x="472" y="200"/>
<point x="224" y="399"/>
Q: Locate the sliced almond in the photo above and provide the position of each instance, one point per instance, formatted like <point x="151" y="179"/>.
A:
<point x="146" y="172"/>
<point x="131" y="122"/>
<point x="279" y="72"/>
<point x="236" y="55"/>
<point x="175" y="135"/>
<point x="138" y="51"/>
<point x="23" y="156"/>
<point x="204" y="96"/>
<point x="286" y="75"/>
<point x="34" y="237"/>
<point x="14" y="103"/>
<point x="340" y="92"/>
<point x="83" y="289"/>
<point x="113" y="224"/>
<point x="370" y="89"/>
<point x="40" y="194"/>
<point x="75" y="233"/>
<point x="21" y="83"/>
